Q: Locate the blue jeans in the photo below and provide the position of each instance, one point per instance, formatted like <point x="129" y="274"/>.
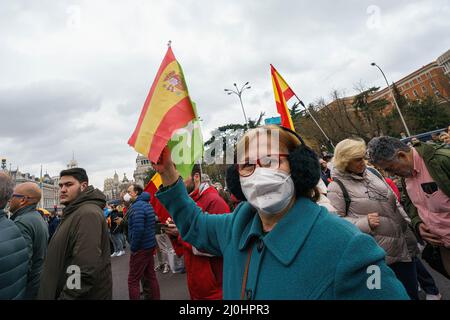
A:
<point x="118" y="240"/>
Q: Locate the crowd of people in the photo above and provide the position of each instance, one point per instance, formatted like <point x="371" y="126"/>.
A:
<point x="290" y="225"/>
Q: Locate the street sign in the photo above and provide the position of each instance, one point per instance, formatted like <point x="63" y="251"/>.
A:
<point x="273" y="120"/>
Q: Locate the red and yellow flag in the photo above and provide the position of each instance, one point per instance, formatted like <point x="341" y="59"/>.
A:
<point x="282" y="94"/>
<point x="152" y="187"/>
<point x="167" y="108"/>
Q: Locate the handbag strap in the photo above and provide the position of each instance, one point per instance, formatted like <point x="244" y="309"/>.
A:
<point x="244" y="280"/>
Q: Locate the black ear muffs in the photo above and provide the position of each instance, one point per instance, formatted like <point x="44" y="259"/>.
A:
<point x="305" y="170"/>
<point x="233" y="182"/>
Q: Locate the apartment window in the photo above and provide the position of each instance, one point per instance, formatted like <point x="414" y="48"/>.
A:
<point x="407" y="96"/>
<point x="411" y="84"/>
<point x="433" y="85"/>
<point x="424" y="90"/>
<point x="416" y="94"/>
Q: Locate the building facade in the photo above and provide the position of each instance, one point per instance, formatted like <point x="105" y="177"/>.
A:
<point x="142" y="167"/>
<point x="430" y="80"/>
<point x="112" y="187"/>
<point x="444" y="62"/>
<point x="48" y="185"/>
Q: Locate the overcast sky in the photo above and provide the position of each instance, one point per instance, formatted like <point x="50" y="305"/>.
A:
<point x="74" y="74"/>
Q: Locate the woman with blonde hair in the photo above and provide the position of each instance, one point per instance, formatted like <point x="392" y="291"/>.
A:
<point x="278" y="243"/>
<point x="361" y="196"/>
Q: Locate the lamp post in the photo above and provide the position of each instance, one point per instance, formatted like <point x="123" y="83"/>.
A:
<point x="395" y="100"/>
<point x="239" y="94"/>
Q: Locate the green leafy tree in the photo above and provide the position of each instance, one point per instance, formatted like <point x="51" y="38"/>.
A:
<point x="229" y="134"/>
<point x="295" y="111"/>
<point x="426" y="115"/>
<point x="370" y="113"/>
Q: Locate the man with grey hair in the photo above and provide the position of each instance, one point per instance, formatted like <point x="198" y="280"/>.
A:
<point x="425" y="170"/>
<point x="13" y="249"/>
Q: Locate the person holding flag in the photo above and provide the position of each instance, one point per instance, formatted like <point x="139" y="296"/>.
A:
<point x="278" y="243"/>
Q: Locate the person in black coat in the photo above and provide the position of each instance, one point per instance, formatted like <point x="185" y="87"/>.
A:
<point x="325" y="173"/>
<point x="117" y="236"/>
<point x="53" y="222"/>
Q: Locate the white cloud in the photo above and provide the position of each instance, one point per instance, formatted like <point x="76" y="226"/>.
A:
<point x="76" y="73"/>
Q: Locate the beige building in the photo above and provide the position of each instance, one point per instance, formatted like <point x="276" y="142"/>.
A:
<point x="142" y="166"/>
<point x="112" y="187"/>
<point x="49" y="187"/>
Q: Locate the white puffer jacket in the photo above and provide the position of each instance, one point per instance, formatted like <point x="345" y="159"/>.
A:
<point x="369" y="194"/>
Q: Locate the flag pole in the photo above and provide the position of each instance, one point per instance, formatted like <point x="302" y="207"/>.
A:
<point x="315" y="121"/>
<point x="42" y="189"/>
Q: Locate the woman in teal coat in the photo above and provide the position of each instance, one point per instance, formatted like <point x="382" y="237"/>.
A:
<point x="278" y="243"/>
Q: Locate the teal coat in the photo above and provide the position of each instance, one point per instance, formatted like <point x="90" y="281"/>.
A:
<point x="309" y="254"/>
<point x="13" y="260"/>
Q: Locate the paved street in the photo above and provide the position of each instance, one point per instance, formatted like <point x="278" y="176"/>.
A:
<point x="442" y="283"/>
<point x="174" y="287"/>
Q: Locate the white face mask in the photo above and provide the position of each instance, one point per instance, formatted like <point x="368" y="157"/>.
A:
<point x="127" y="197"/>
<point x="268" y="190"/>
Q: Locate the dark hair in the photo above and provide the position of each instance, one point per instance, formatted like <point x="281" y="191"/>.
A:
<point x="195" y="169"/>
<point x="137" y="188"/>
<point x="6" y="189"/>
<point x="78" y="173"/>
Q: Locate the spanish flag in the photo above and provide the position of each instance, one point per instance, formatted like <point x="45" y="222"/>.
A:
<point x="282" y="94"/>
<point x="152" y="187"/>
<point x="167" y="108"/>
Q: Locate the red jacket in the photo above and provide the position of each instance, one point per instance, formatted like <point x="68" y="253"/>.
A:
<point x="393" y="187"/>
<point x="204" y="274"/>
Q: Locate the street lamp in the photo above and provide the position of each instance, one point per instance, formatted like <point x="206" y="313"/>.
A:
<point x="239" y="94"/>
<point x="395" y="100"/>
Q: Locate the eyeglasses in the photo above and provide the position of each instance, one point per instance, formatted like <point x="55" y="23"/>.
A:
<point x="271" y="161"/>
<point x="16" y="195"/>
